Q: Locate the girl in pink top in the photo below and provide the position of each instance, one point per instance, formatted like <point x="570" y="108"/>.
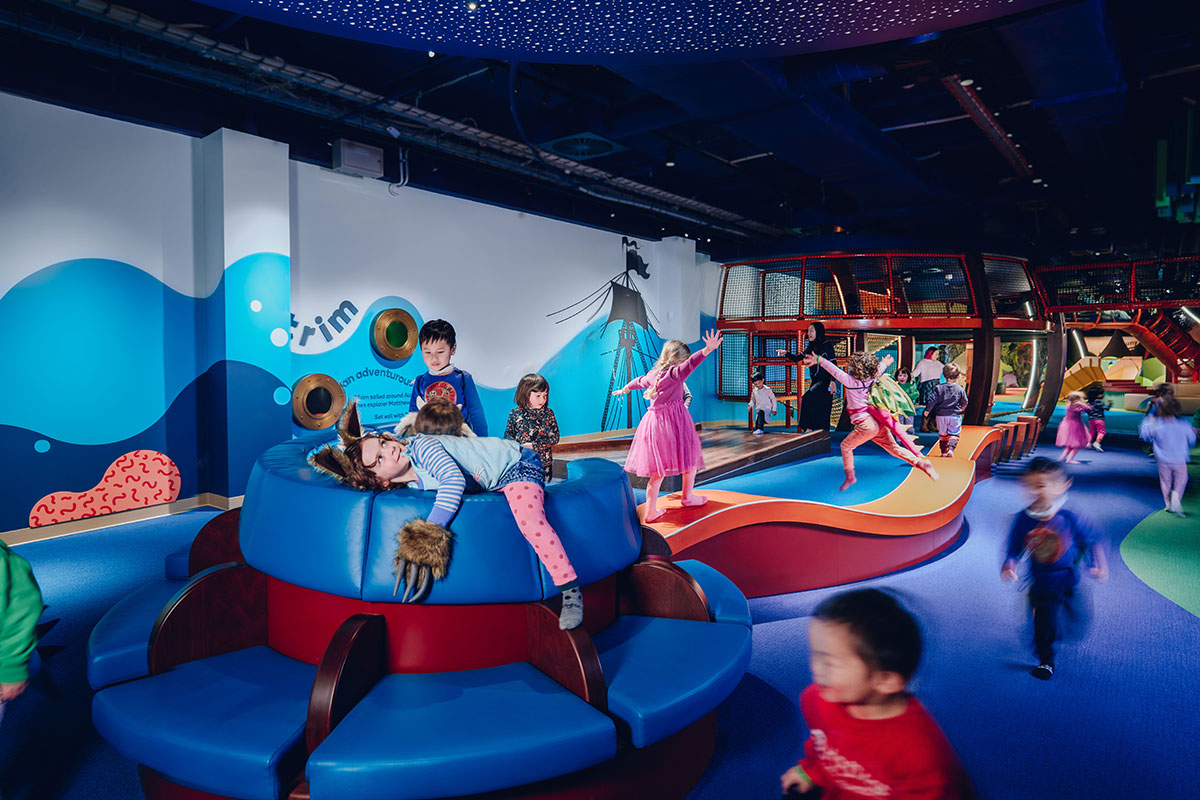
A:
<point x="666" y="442"/>
<point x="870" y="423"/>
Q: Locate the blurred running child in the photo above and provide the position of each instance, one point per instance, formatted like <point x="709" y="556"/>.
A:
<point x="1172" y="437"/>
<point x="1056" y="541"/>
<point x="869" y="737"/>
<point x="1072" y="434"/>
<point x="1096" y="408"/>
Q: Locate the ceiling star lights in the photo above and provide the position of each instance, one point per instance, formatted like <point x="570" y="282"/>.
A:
<point x="608" y="31"/>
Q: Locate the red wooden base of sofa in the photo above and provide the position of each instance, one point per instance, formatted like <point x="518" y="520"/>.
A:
<point x="665" y="770"/>
<point x="777" y="558"/>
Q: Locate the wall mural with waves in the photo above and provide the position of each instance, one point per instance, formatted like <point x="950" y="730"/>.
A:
<point x="162" y="306"/>
<point x="116" y="409"/>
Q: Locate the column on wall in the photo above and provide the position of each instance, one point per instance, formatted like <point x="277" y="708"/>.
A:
<point x="244" y="243"/>
<point x="985" y="362"/>
<point x="1056" y="365"/>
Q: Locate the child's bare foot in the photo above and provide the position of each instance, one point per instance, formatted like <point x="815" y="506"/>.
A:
<point x="653" y="514"/>
<point x="926" y="466"/>
<point x="850" y="481"/>
<point x="694" y="500"/>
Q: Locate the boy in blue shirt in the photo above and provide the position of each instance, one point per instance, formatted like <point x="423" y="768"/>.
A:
<point x="443" y="378"/>
<point x="1057" y="541"/>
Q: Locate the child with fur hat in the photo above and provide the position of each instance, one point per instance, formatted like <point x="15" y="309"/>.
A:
<point x="436" y="457"/>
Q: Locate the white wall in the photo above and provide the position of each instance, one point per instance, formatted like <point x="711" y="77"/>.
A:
<point x="492" y="272"/>
<point x="80" y="186"/>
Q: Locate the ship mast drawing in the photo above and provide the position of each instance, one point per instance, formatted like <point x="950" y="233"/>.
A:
<point x="636" y="351"/>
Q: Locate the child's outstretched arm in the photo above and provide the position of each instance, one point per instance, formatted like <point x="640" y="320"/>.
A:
<point x="434" y="459"/>
<point x="833" y="369"/>
<point x="712" y="340"/>
<point x="640" y="382"/>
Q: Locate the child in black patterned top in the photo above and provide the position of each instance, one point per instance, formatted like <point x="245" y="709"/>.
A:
<point x="532" y="423"/>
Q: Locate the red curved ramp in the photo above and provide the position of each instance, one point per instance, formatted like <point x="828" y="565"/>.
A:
<point x="768" y="545"/>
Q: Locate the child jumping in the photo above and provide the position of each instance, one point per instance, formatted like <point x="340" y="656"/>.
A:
<point x="1057" y="540"/>
<point x="870" y="423"/>
<point x="762" y="401"/>
<point x="869" y="736"/>
<point x="373" y="461"/>
<point x="1172" y="437"/>
<point x="665" y="442"/>
<point x="1096" y="408"/>
<point x="1072" y="434"/>
<point x="532" y="423"/>
<point x="947" y="403"/>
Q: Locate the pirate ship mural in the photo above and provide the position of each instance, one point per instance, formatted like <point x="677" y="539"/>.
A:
<point x="637" y="341"/>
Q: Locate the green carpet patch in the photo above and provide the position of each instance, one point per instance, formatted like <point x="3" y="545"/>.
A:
<point x="1163" y="550"/>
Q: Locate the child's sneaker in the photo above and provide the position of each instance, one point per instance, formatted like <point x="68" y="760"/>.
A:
<point x="758" y="432"/>
<point x="1043" y="671"/>
<point x="1096" y="446"/>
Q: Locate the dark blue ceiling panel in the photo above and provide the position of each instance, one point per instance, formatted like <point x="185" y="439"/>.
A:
<point x="614" y="31"/>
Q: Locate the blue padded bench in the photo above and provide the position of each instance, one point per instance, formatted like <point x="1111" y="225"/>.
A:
<point x="175" y="565"/>
<point x="117" y="646"/>
<point x="664" y="674"/>
<point x="457" y="733"/>
<point x="725" y="600"/>
<point x="231" y="724"/>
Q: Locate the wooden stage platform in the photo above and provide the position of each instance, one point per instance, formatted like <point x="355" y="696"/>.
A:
<point x="729" y="450"/>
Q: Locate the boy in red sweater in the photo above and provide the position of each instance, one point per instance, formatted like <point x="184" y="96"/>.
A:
<point x="869" y="737"/>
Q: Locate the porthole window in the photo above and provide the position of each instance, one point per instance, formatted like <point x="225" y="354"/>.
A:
<point x="394" y="334"/>
<point x="317" y="401"/>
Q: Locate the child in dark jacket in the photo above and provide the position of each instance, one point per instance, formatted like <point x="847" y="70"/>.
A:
<point x="1056" y="540"/>
<point x="532" y="423"/>
<point x="1096" y="408"/>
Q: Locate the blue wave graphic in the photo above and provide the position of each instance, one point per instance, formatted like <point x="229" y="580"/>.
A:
<point x="211" y="457"/>
<point x="101" y="348"/>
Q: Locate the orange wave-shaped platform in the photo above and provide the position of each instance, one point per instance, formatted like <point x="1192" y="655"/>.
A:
<point x="135" y="480"/>
<point x="770" y="545"/>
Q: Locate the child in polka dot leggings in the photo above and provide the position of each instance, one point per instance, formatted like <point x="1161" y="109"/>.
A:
<point x="437" y="457"/>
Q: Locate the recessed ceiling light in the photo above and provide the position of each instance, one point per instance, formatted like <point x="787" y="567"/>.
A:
<point x="1037" y="180"/>
<point x="670" y="163"/>
<point x="967" y="81"/>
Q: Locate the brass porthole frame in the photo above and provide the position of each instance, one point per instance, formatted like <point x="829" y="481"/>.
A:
<point x="383" y="320"/>
<point x="300" y="392"/>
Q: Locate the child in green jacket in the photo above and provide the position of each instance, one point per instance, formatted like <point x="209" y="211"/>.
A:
<point x="20" y="608"/>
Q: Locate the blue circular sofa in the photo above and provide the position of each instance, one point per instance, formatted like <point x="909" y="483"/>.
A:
<point x="274" y="661"/>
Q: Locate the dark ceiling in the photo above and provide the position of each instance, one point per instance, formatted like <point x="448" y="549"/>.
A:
<point x="1031" y="135"/>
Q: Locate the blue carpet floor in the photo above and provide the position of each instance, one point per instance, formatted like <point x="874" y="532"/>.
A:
<point x="1118" y="719"/>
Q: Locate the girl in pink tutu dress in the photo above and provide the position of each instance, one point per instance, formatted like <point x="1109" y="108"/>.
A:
<point x="666" y="442"/>
<point x="1072" y="431"/>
